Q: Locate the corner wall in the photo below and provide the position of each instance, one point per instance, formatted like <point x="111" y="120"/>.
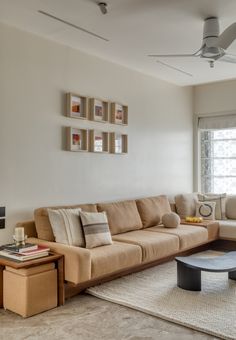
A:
<point x="35" y="170"/>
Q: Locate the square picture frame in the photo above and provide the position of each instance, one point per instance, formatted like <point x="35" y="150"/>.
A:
<point x="98" y="110"/>
<point x="77" y="139"/>
<point x="119" y="114"/>
<point x="118" y="143"/>
<point x="76" y="106"/>
<point x="98" y="141"/>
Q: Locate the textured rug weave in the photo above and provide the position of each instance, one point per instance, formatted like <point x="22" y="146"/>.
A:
<point x="154" y="291"/>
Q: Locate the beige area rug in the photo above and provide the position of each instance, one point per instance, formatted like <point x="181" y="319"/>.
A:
<point x="154" y="291"/>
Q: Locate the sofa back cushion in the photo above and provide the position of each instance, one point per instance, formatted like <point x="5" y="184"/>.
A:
<point x="231" y="207"/>
<point x="186" y="204"/>
<point x="122" y="216"/>
<point x="173" y="207"/>
<point x="151" y="209"/>
<point x="43" y="225"/>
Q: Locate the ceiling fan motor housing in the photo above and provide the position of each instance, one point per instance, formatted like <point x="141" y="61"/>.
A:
<point x="211" y="31"/>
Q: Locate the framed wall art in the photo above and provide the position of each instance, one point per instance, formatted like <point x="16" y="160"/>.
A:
<point x="77" y="139"/>
<point x="77" y="106"/>
<point x="98" y="110"/>
<point x="118" y="143"/>
<point x="98" y="141"/>
<point x="119" y="114"/>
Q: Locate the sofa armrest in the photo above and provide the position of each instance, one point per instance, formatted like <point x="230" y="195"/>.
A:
<point x="77" y="260"/>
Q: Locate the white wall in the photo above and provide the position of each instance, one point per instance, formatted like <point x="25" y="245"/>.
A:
<point x="35" y="170"/>
<point x="214" y="98"/>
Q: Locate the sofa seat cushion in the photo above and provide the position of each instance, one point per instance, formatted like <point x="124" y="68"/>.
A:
<point x="111" y="258"/>
<point x="189" y="236"/>
<point x="151" y="209"/>
<point x="122" y="216"/>
<point x="227" y="229"/>
<point x="43" y="225"/>
<point x="154" y="245"/>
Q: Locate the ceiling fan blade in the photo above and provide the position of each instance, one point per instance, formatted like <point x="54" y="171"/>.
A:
<point x="227" y="37"/>
<point x="72" y="25"/>
<point x="172" y="55"/>
<point x="228" y="58"/>
<point x="174" y="68"/>
<point x="184" y="55"/>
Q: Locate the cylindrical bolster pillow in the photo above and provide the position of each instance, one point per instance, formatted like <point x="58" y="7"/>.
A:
<point x="171" y="220"/>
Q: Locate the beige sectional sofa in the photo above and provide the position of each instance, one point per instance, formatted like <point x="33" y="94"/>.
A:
<point x="138" y="239"/>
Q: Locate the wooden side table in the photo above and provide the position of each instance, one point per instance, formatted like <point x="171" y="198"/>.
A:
<point x="51" y="258"/>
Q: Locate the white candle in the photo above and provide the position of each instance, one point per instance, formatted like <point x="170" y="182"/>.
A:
<point x="19" y="234"/>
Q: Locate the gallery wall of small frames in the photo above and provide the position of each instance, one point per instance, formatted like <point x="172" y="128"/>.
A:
<point x="99" y="111"/>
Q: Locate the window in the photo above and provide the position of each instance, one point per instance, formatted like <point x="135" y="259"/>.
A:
<point x="218" y="160"/>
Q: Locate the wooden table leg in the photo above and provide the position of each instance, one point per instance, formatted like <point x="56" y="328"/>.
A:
<point x="1" y="286"/>
<point x="60" y="281"/>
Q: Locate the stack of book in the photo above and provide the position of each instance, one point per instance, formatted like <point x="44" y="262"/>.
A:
<point x="25" y="252"/>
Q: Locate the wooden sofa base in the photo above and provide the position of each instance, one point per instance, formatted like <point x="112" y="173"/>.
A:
<point x="224" y="245"/>
<point x="73" y="289"/>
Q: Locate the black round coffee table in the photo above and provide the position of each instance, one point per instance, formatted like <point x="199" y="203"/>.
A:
<point x="189" y="269"/>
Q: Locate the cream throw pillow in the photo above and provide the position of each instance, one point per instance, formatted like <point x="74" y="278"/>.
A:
<point x="96" y="229"/>
<point x="66" y="226"/>
<point x="206" y="210"/>
<point x="171" y="220"/>
<point x="220" y="204"/>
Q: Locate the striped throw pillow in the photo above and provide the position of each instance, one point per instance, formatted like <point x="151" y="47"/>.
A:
<point x="96" y="229"/>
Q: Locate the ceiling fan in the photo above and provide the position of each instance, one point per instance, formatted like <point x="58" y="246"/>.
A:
<point x="214" y="45"/>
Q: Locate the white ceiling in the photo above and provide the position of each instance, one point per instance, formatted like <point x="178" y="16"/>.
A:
<point x="135" y="28"/>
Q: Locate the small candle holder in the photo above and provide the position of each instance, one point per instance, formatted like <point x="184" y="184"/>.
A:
<point x="19" y="243"/>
